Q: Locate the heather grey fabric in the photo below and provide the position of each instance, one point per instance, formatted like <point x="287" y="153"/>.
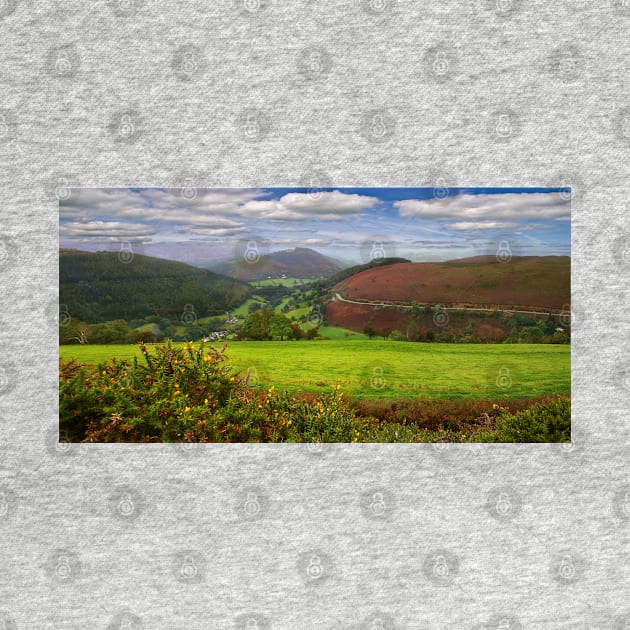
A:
<point x="262" y="92"/>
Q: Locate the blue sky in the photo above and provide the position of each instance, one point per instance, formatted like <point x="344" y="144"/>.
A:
<point x="347" y="223"/>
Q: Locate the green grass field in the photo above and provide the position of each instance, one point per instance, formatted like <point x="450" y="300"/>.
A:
<point x="285" y="282"/>
<point x="337" y="333"/>
<point x="385" y="370"/>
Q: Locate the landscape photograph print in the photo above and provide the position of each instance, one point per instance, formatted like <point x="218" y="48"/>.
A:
<point x="315" y="315"/>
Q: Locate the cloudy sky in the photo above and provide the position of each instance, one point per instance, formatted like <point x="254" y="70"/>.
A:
<point x="201" y="225"/>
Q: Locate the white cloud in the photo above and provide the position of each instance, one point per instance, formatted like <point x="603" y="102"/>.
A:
<point x="329" y="206"/>
<point x="482" y="225"/>
<point x="160" y="205"/>
<point x="472" y="226"/>
<point x="490" y="208"/>
<point x="100" y="229"/>
<point x="217" y="231"/>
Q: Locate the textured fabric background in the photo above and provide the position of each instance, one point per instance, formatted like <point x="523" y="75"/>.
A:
<point x="263" y="92"/>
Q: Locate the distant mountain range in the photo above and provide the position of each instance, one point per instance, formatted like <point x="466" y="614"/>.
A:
<point x="197" y="253"/>
<point x="300" y="262"/>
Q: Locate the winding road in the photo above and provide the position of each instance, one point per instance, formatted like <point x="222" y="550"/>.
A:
<point x="339" y="297"/>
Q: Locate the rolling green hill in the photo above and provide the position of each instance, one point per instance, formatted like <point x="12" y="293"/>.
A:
<point x="97" y="287"/>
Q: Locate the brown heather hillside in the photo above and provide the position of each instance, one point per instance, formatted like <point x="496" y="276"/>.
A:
<point x="528" y="281"/>
<point x="300" y="262"/>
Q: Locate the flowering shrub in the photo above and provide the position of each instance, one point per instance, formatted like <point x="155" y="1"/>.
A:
<point x="548" y="421"/>
<point x="191" y="393"/>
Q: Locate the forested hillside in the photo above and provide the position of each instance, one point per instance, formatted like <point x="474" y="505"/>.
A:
<point x="102" y="286"/>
